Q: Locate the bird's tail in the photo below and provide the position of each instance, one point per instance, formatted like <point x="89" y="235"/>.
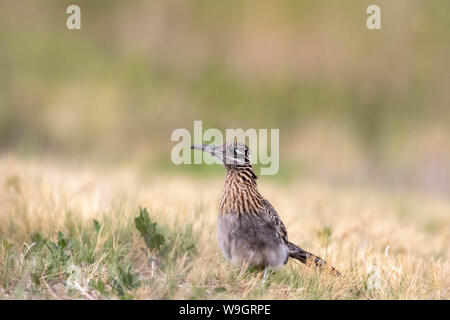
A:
<point x="305" y="257"/>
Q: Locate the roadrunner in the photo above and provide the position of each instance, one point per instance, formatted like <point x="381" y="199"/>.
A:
<point x="249" y="229"/>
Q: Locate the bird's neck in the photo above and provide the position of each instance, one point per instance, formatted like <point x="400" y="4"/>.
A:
<point x="240" y="194"/>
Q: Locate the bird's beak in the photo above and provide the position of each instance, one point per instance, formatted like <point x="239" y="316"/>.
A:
<point x="201" y="147"/>
<point x="210" y="148"/>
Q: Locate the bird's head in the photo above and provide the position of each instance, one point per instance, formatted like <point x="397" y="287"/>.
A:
<point x="234" y="156"/>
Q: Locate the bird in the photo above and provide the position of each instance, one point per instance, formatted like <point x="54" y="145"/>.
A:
<point x="250" y="231"/>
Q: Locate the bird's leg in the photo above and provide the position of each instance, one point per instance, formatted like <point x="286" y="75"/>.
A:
<point x="264" y="276"/>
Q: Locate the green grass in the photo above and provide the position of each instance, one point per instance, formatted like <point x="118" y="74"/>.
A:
<point x="70" y="233"/>
<point x="96" y="257"/>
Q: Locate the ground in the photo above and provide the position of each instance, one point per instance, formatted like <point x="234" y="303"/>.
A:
<point x="72" y="231"/>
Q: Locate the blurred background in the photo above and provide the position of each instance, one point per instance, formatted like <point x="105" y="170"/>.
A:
<point x="352" y="105"/>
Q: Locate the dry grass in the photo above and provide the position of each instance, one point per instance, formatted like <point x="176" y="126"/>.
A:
<point x="388" y="246"/>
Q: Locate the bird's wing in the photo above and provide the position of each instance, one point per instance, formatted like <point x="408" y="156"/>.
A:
<point x="271" y="215"/>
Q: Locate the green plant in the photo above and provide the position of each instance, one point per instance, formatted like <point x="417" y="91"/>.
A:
<point x="125" y="280"/>
<point x="153" y="239"/>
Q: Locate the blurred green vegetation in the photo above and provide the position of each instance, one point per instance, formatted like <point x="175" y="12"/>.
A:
<point x="116" y="89"/>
